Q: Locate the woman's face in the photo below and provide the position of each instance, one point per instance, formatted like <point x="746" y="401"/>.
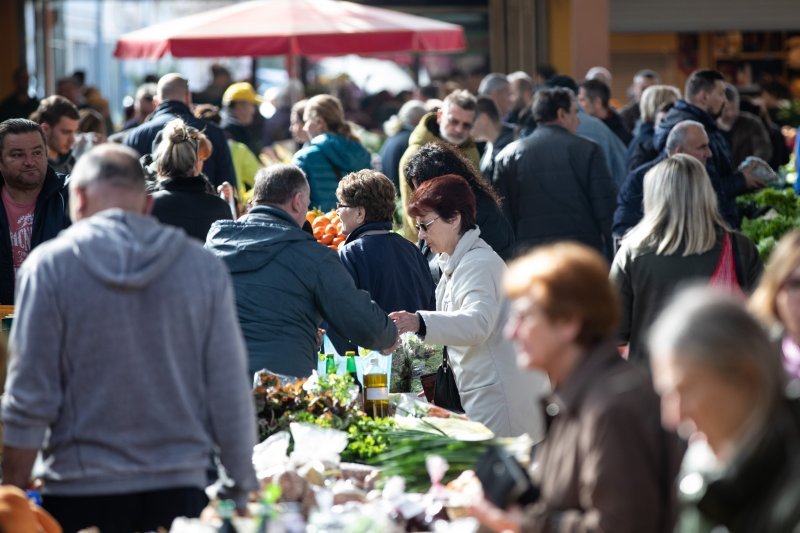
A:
<point x="313" y="126"/>
<point x="440" y="234"/>
<point x="296" y="128"/>
<point x="787" y="303"/>
<point x="352" y="217"/>
<point x="540" y="341"/>
<point x="699" y="398"/>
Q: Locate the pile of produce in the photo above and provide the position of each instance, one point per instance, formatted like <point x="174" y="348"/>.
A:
<point x="329" y="401"/>
<point x="768" y="214"/>
<point x="327" y="228"/>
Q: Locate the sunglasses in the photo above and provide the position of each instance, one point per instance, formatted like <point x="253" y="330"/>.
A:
<point x="425" y="225"/>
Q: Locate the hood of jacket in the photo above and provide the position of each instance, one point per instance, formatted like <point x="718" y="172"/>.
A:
<point x="682" y="110"/>
<point x="254" y="240"/>
<point x="125" y="250"/>
<point x="346" y="154"/>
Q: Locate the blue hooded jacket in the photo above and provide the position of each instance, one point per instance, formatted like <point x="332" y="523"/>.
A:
<point x="327" y="159"/>
<point x="286" y="284"/>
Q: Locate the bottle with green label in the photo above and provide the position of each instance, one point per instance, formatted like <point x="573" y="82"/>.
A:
<point x="330" y="364"/>
<point x="376" y="390"/>
<point x="351" y="369"/>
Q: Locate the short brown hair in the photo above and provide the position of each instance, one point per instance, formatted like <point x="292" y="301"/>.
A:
<point x="371" y="190"/>
<point x="52" y="108"/>
<point x="567" y="281"/>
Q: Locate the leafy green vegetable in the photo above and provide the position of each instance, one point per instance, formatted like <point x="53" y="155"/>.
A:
<point x="768" y="228"/>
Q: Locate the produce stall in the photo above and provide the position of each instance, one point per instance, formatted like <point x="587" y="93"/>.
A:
<point x="325" y="465"/>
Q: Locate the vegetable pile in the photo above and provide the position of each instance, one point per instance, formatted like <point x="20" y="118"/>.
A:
<point x="772" y="213"/>
<point x="326" y="401"/>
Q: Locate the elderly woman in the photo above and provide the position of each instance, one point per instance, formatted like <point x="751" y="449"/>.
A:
<point x="438" y="159"/>
<point x="390" y="268"/>
<point x="605" y="464"/>
<point x="682" y="238"/>
<point x="777" y="299"/>
<point x="182" y="196"/>
<point x="470" y="312"/>
<point x="641" y="150"/>
<point x="333" y="151"/>
<point x="722" y="383"/>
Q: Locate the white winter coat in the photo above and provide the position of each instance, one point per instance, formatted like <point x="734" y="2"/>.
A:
<point x="471" y="312"/>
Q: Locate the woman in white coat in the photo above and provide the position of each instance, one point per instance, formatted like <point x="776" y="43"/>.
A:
<point x="471" y="312"/>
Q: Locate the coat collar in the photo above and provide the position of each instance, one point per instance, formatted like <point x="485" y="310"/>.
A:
<point x="467" y="242"/>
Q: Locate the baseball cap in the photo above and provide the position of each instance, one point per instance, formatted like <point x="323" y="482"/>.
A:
<point x="241" y="92"/>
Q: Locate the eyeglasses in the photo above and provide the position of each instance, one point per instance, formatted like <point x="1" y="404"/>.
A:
<point x="342" y="206"/>
<point x="425" y="225"/>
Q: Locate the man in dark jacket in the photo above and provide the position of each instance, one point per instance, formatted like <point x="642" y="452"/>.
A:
<point x="35" y="202"/>
<point x="174" y="101"/>
<point x="555" y="184"/>
<point x="490" y="129"/>
<point x="704" y="99"/>
<point x="395" y="145"/>
<point x="687" y="137"/>
<point x="286" y="283"/>
<point x="594" y="96"/>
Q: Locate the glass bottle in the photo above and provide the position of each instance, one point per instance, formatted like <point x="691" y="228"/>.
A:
<point x="330" y="364"/>
<point x="376" y="390"/>
<point x="351" y="369"/>
<point x="226" y="509"/>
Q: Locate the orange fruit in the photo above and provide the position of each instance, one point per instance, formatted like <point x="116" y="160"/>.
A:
<point x="321" y="220"/>
<point x="330" y="229"/>
<point x="330" y="214"/>
<point x="336" y="220"/>
<point x="339" y="227"/>
<point x="310" y="216"/>
<point x="319" y="232"/>
<point x="339" y="239"/>
<point x="333" y="247"/>
<point x="326" y="239"/>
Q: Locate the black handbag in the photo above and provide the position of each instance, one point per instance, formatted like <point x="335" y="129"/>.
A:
<point x="504" y="480"/>
<point x="440" y="387"/>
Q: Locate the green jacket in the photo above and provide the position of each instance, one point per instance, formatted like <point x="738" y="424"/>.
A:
<point x="427" y="131"/>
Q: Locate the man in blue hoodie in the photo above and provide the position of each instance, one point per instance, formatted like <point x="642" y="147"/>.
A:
<point x="139" y="373"/>
<point x="287" y="283"/>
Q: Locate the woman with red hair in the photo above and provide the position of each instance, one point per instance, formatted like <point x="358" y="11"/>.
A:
<point x="471" y="312"/>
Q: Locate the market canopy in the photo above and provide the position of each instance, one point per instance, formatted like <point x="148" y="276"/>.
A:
<point x="291" y="27"/>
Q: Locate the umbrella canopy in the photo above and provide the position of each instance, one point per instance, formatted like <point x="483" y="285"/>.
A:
<point x="291" y="27"/>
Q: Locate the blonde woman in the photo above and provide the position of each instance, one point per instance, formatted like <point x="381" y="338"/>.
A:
<point x="654" y="98"/>
<point x="333" y="151"/>
<point x="682" y="238"/>
<point x="777" y="299"/>
<point x="183" y="196"/>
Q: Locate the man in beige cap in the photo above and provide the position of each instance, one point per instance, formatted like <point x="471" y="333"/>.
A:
<point x="239" y="108"/>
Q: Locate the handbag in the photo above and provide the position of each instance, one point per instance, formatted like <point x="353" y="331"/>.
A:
<point x="726" y="273"/>
<point x="440" y="387"/>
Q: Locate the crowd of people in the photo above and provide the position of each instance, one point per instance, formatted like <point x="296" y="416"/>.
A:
<point x="579" y="262"/>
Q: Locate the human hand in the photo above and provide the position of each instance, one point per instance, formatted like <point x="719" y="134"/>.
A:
<point x="405" y="322"/>
<point x="495" y="518"/>
<point x="750" y="178"/>
<point x="320" y="333"/>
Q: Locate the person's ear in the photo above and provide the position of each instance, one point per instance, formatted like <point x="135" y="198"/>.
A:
<point x="439" y="116"/>
<point x="361" y="215"/>
<point x="46" y="128"/>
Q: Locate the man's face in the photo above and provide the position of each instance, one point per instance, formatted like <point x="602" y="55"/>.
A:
<point x="592" y="106"/>
<point x="569" y="120"/>
<point x="244" y="112"/>
<point x="729" y="112"/>
<point x="640" y="84"/>
<point x="23" y="161"/>
<point x="715" y="99"/>
<point x="696" y="144"/>
<point x="455" y="124"/>
<point x="61" y="136"/>
<point x="520" y="98"/>
<point x="502" y="99"/>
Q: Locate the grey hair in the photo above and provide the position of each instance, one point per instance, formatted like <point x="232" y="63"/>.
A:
<point x="711" y="327"/>
<point x="680" y="209"/>
<point x="277" y="184"/>
<point x="654" y="97"/>
<point x="677" y="136"/>
<point x="492" y="82"/>
<point x="411" y="112"/>
<point x="110" y="163"/>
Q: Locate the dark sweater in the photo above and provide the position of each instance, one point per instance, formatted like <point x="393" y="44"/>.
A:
<point x="184" y="202"/>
